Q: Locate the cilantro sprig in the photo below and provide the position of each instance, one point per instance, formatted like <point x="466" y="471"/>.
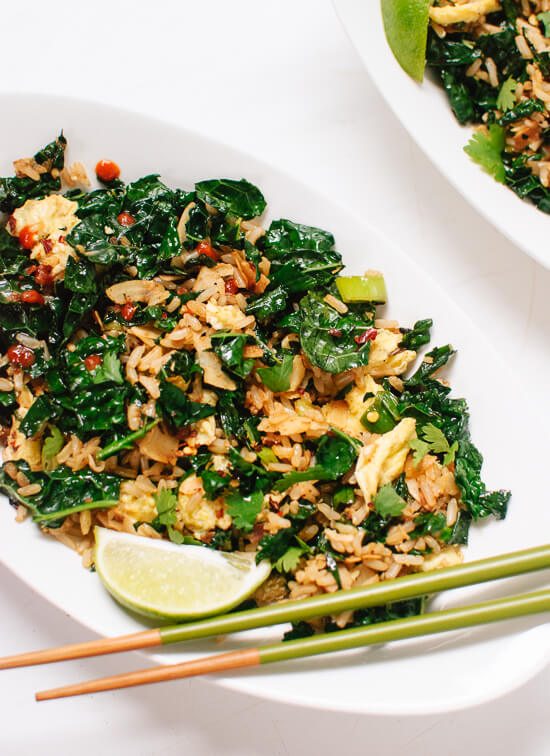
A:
<point x="433" y="440"/>
<point x="485" y="149"/>
<point x="507" y="95"/>
<point x="166" y="503"/>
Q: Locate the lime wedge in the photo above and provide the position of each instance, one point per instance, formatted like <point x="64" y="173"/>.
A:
<point x="161" y="579"/>
<point x="406" y="26"/>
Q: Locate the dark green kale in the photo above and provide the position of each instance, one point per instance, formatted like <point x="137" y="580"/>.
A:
<point x="12" y="257"/>
<point x="418" y="335"/>
<point x="277" y="377"/>
<point x="267" y="305"/>
<point x="63" y="492"/>
<point x="522" y="180"/>
<point x="238" y="198"/>
<point x="428" y="400"/>
<point x="41" y="411"/>
<point x="178" y="409"/>
<point x="284" y="236"/>
<point x="332" y="341"/>
<point x="335" y="454"/>
<point x="148" y="243"/>
<point x="521" y="110"/>
<point x="229" y="348"/>
<point x="213" y="483"/>
<point x="14" y="192"/>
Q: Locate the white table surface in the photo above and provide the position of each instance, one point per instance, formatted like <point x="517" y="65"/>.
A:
<point x="280" y="80"/>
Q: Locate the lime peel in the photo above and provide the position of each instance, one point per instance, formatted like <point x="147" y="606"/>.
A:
<point x="406" y="27"/>
<point x="167" y="581"/>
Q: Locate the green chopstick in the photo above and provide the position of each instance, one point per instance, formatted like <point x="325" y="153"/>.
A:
<point x="344" y="640"/>
<point x="410" y="586"/>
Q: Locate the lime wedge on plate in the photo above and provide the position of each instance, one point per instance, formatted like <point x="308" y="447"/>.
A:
<point x="164" y="580"/>
<point x="406" y="26"/>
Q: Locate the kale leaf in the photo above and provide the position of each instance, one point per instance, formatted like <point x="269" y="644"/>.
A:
<point x="15" y="191"/>
<point x="229" y="347"/>
<point x="330" y="340"/>
<point x="178" y="409"/>
<point x="63" y="492"/>
<point x="239" y="198"/>
<point x="277" y="377"/>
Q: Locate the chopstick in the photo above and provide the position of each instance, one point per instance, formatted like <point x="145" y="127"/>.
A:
<point x="410" y="586"/>
<point x="344" y="640"/>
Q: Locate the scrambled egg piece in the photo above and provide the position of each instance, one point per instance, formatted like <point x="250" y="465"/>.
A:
<point x="446" y="558"/>
<point x="382" y="459"/>
<point x="346" y="413"/>
<point x="381" y="360"/>
<point x="205" y="430"/>
<point x="463" y="14"/>
<point x="140" y="507"/>
<point x="195" y="512"/>
<point x="226" y="316"/>
<point x="50" y="219"/>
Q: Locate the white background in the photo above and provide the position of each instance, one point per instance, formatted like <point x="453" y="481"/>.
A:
<point x="280" y="80"/>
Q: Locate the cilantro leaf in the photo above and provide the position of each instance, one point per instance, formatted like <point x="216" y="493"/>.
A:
<point x="485" y="149"/>
<point x="244" y="509"/>
<point x="166" y="503"/>
<point x="277" y="378"/>
<point x="433" y="441"/>
<point x="388" y="503"/>
<point x="51" y="447"/>
<point x="506" y="97"/>
<point x="421" y="448"/>
<point x="435" y="437"/>
<point x="108" y="370"/>
<point x="544" y="18"/>
<point x="289" y="560"/>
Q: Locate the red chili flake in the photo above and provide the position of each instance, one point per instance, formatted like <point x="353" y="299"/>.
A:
<point x="368" y="335"/>
<point x="93" y="361"/>
<point x="205" y="248"/>
<point x="48" y="245"/>
<point x="336" y="332"/>
<point x="164" y="316"/>
<point x="107" y="171"/>
<point x="219" y="513"/>
<point x="21" y="355"/>
<point x="12" y="223"/>
<point x="43" y="276"/>
<point x="128" y="310"/>
<point x="31" y="269"/>
<point x="27" y="238"/>
<point x="231" y="286"/>
<point x="125" y="219"/>
<point x="31" y="296"/>
<point x="61" y="239"/>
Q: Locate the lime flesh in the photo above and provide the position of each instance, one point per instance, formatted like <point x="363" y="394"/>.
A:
<point x="161" y="579"/>
<point x="406" y="27"/>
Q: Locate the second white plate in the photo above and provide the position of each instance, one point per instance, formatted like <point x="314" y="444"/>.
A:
<point x="425" y="113"/>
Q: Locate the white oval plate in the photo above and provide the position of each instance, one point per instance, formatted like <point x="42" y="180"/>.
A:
<point x="423" y="676"/>
<point x="424" y="111"/>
